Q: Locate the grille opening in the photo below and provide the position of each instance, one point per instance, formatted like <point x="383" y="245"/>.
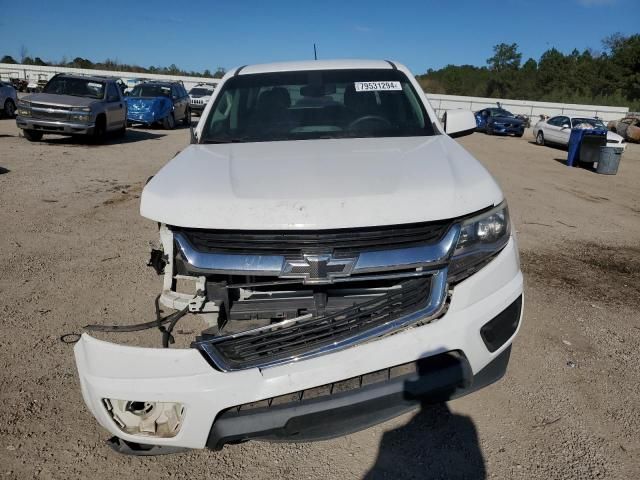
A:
<point x="286" y="323"/>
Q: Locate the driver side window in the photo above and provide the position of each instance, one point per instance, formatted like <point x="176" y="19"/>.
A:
<point x="555" y="121"/>
<point x="113" y="94"/>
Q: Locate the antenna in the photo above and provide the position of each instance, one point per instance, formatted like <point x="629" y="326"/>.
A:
<point x="315" y="52"/>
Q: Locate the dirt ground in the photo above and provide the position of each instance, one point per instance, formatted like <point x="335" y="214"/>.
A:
<point x="74" y="250"/>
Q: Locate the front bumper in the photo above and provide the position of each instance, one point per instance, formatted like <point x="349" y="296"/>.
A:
<point x="107" y="370"/>
<point x="504" y="130"/>
<point x="146" y="118"/>
<point x="53" y="126"/>
<point x="197" y="107"/>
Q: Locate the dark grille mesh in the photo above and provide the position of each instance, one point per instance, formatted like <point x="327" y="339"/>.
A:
<point x="283" y="342"/>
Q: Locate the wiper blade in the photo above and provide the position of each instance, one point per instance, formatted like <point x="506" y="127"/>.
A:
<point x="226" y="140"/>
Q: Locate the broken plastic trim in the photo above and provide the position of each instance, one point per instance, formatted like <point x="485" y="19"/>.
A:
<point x="157" y="260"/>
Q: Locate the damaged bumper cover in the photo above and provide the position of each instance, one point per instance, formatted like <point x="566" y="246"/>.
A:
<point x="214" y="402"/>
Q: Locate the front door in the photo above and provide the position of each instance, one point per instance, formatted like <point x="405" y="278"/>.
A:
<point x="115" y="108"/>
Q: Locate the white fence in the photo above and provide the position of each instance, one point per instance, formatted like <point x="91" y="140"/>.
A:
<point x="33" y="73"/>
<point x="533" y="109"/>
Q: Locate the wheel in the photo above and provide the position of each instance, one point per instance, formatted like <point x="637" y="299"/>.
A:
<point x="519" y="134"/>
<point x="186" y="121"/>
<point x="32" y="135"/>
<point x="169" y="122"/>
<point x="488" y="130"/>
<point x="540" y="138"/>
<point x="100" y="130"/>
<point x="9" y="108"/>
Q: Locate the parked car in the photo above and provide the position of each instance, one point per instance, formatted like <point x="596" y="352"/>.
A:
<point x="557" y="130"/>
<point x="350" y="261"/>
<point x="199" y="96"/>
<point x="8" y="99"/>
<point x="495" y="120"/>
<point x="158" y="102"/>
<point x="73" y="105"/>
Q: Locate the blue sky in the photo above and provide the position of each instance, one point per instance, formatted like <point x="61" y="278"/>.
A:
<point x="206" y="34"/>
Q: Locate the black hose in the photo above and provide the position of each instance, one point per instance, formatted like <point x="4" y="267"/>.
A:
<point x="138" y="326"/>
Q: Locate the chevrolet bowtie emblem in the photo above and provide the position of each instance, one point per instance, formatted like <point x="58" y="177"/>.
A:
<point x="318" y="268"/>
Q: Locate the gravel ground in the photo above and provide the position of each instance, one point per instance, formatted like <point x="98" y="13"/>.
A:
<point x="74" y="252"/>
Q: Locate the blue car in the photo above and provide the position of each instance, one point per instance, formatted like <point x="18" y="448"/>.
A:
<point x="158" y="102"/>
<point x="494" y="121"/>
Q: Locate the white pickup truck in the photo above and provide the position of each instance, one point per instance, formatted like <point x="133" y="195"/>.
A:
<point x="349" y="259"/>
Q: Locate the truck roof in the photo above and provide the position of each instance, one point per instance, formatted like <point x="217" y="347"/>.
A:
<point x="342" y="64"/>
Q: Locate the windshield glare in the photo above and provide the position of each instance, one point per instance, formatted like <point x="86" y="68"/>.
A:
<point x="500" y="112"/>
<point x="77" y="87"/>
<point x="587" y="123"/>
<point x="316" y="104"/>
<point x="200" y="91"/>
<point x="147" y="90"/>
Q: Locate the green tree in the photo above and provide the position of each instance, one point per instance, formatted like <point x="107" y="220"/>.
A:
<point x="8" y="59"/>
<point x="505" y="57"/>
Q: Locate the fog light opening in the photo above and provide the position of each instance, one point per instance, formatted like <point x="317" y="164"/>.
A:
<point x="146" y="418"/>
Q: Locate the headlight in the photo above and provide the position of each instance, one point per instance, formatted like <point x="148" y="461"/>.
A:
<point x="24" y="108"/>
<point x="82" y="115"/>
<point x="154" y="419"/>
<point x="481" y="237"/>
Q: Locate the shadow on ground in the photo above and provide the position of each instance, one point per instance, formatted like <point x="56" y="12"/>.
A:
<point x="4" y="170"/>
<point x="131" y="136"/>
<point x="435" y="443"/>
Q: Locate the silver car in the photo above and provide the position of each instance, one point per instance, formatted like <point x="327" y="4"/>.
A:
<point x="8" y="99"/>
<point x="74" y="105"/>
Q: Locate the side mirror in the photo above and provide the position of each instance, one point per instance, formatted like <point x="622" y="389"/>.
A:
<point x="566" y="125"/>
<point x="458" y="123"/>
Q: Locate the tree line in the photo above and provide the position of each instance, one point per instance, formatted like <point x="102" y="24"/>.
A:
<point x="112" y="65"/>
<point x="608" y="77"/>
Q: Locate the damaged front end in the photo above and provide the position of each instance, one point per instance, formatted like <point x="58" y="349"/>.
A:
<point x="274" y="297"/>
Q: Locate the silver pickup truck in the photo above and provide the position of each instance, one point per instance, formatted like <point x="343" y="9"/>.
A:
<point x="74" y="105"/>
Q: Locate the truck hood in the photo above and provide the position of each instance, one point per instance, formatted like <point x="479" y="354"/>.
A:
<point x="143" y="104"/>
<point x="319" y="184"/>
<point x="59" y="100"/>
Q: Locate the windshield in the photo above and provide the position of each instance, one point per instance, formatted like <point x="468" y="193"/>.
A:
<point x="150" y="90"/>
<point x="316" y="104"/>
<point x="200" y="91"/>
<point x="78" y="87"/>
<point x="499" y="112"/>
<point x="587" y="123"/>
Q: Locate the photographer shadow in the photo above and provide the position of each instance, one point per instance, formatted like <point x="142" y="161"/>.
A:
<point x="435" y="443"/>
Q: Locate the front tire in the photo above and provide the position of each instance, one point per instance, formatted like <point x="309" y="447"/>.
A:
<point x="540" y="138"/>
<point x="488" y="130"/>
<point x="9" y="108"/>
<point x="186" y="121"/>
<point x="169" y="122"/>
<point x="100" y="130"/>
<point x="32" y="135"/>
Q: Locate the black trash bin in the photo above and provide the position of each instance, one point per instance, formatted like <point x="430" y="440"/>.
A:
<point x="609" y="160"/>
